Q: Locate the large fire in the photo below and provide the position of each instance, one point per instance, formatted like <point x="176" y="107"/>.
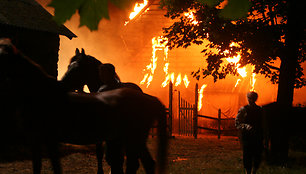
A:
<point x="160" y="44"/>
<point x="234" y="60"/>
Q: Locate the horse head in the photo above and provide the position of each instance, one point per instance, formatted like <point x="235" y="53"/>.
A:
<point x="82" y="70"/>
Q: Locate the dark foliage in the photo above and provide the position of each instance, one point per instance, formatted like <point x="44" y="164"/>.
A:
<point x="261" y="37"/>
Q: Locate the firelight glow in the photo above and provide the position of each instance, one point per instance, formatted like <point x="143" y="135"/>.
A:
<point x="191" y="17"/>
<point x="234" y="60"/>
<point x="178" y="80"/>
<point x="159" y="44"/>
<point x="200" y="92"/>
<point x="186" y="81"/>
<point x="137" y="9"/>
<point x="241" y="71"/>
<point x="253" y="81"/>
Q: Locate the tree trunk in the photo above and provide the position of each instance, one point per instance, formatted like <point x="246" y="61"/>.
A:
<point x="287" y="77"/>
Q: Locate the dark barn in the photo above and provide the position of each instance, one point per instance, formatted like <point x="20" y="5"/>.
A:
<point x="34" y="32"/>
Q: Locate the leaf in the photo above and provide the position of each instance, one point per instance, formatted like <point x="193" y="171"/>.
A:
<point x="210" y="3"/>
<point x="92" y="12"/>
<point x="64" y="9"/>
<point x="236" y="9"/>
<point x="123" y="4"/>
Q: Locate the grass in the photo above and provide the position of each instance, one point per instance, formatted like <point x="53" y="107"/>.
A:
<point x="205" y="155"/>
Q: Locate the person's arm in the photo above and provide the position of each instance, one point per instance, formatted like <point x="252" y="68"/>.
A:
<point x="239" y="121"/>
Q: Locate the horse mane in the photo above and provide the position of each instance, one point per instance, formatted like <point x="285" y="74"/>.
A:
<point x="94" y="60"/>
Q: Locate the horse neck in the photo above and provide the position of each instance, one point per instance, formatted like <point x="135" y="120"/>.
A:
<point x="112" y="82"/>
<point x="94" y="85"/>
<point x="93" y="79"/>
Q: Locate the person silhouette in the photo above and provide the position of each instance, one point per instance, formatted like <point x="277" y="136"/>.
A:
<point x="249" y="122"/>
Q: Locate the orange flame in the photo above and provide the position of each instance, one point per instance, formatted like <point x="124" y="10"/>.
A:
<point x="166" y="81"/>
<point x="191" y="17"/>
<point x="241" y="71"/>
<point x="178" y="80"/>
<point x="152" y="66"/>
<point x="160" y="43"/>
<point x="172" y="77"/>
<point x="200" y="92"/>
<point x="237" y="82"/>
<point x="253" y="81"/>
<point x="137" y="9"/>
<point x="186" y="81"/>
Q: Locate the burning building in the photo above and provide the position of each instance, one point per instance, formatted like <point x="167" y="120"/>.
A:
<point x="136" y="47"/>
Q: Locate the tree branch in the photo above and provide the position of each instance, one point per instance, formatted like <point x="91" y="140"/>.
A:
<point x="271" y="66"/>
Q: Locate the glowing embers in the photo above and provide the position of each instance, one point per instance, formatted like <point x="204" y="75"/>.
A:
<point x="159" y="44"/>
<point x="137" y="9"/>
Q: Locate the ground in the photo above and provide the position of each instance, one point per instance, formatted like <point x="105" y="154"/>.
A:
<point x="205" y="155"/>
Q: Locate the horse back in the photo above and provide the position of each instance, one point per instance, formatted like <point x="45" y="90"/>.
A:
<point x="133" y="105"/>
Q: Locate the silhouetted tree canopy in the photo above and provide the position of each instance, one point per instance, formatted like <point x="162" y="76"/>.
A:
<point x="261" y="36"/>
<point x="272" y="30"/>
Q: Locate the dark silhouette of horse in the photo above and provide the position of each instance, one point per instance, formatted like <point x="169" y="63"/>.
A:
<point x="87" y="70"/>
<point x="47" y="114"/>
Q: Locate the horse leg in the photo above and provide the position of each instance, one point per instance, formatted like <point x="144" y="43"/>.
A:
<point x="147" y="160"/>
<point x="132" y="156"/>
<point x="115" y="156"/>
<point x="36" y="158"/>
<point x="54" y="155"/>
<point x="99" y="153"/>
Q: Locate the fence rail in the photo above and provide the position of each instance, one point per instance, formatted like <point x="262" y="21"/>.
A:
<point x="189" y="118"/>
<point x="218" y="119"/>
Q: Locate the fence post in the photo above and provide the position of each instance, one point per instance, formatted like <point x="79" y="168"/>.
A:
<point x="219" y="123"/>
<point x="170" y="107"/>
<point x="195" y="113"/>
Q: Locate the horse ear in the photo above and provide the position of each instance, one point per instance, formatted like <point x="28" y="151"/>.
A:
<point x="83" y="51"/>
<point x="77" y="51"/>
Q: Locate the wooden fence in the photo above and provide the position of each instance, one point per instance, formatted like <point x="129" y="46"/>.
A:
<point x="185" y="115"/>
<point x="218" y="119"/>
<point x="189" y="117"/>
